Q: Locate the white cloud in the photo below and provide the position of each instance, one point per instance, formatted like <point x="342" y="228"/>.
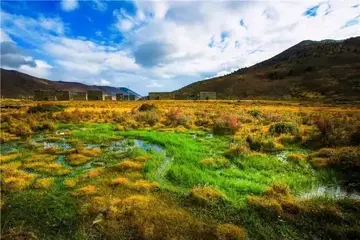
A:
<point x="178" y="42"/>
<point x="69" y="5"/>
<point x="4" y="36"/>
<point x="41" y="70"/>
<point x="154" y="84"/>
<point x="102" y="82"/>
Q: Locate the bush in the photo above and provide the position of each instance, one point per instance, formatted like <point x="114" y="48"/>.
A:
<point x="355" y="137"/>
<point x="215" y="162"/>
<point x="46" y="108"/>
<point x="176" y="117"/>
<point x="346" y="158"/>
<point x="147" y="107"/>
<point x="237" y="150"/>
<point x="44" y="126"/>
<point x="150" y="117"/>
<point x="226" y="125"/>
<point x="283" y="127"/>
<point x="260" y="143"/>
<point x="255" y="113"/>
<point x="206" y="195"/>
<point x="230" y="232"/>
<point x="21" y="130"/>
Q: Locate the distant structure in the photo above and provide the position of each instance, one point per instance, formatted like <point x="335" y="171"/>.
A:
<point x="51" y="95"/>
<point x="108" y="97"/>
<point x="79" y="96"/>
<point x="62" y="95"/>
<point x="161" y="96"/>
<point x="44" y="95"/>
<point x="95" y="95"/>
<point x="130" y="97"/>
<point x="207" y="96"/>
<point x="119" y="97"/>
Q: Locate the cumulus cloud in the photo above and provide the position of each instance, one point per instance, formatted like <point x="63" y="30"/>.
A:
<point x="69" y="5"/>
<point x="168" y="44"/>
<point x="153" y="53"/>
<point x="13" y="57"/>
<point x="31" y="30"/>
<point x="41" y="70"/>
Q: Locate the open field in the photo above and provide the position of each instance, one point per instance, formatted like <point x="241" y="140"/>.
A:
<point x="179" y="170"/>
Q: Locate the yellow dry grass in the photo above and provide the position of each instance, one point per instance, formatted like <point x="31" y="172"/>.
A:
<point x="44" y="183"/>
<point x="85" y="191"/>
<point x="206" y="195"/>
<point x="119" y="181"/>
<point x="129" y="165"/>
<point x="230" y="232"/>
<point x="8" y="157"/>
<point x="70" y="183"/>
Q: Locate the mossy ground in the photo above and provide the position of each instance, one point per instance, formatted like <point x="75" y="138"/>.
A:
<point x="172" y="180"/>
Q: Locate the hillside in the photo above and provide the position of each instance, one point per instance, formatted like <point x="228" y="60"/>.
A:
<point x="114" y="90"/>
<point x="15" y="84"/>
<point x="325" y="69"/>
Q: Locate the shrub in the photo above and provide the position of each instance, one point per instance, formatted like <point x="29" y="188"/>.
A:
<point x="21" y="130"/>
<point x="128" y="165"/>
<point x="269" y="205"/>
<point x="346" y="158"/>
<point x="283" y="127"/>
<point x="175" y="117"/>
<point x="44" y="183"/>
<point x="85" y="191"/>
<point x="355" y="137"/>
<point x="144" y="186"/>
<point x="277" y="190"/>
<point x="296" y="158"/>
<point x="46" y="108"/>
<point x="94" y="172"/>
<point x="44" y="126"/>
<point x="230" y="232"/>
<point x="70" y="183"/>
<point x="147" y="107"/>
<point x="226" y="125"/>
<point x="237" y="150"/>
<point x="119" y="181"/>
<point x="77" y="159"/>
<point x="215" y="162"/>
<point x="265" y="144"/>
<point x="206" y="195"/>
<point x="148" y="117"/>
<point x="255" y="113"/>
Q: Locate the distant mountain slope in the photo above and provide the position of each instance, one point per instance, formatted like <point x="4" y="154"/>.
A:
<point x="309" y="70"/>
<point x="15" y="84"/>
<point x="114" y="90"/>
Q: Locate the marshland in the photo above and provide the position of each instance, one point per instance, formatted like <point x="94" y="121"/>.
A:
<point x="179" y="170"/>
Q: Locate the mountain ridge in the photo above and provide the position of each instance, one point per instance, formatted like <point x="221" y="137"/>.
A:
<point x="15" y="84"/>
<point x="326" y="69"/>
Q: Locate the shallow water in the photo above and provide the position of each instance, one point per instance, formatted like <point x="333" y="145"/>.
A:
<point x="62" y="145"/>
<point x="125" y="145"/>
<point x="334" y="192"/>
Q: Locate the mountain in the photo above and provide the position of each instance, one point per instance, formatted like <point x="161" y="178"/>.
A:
<point x="113" y="90"/>
<point x="16" y="84"/>
<point x="325" y="69"/>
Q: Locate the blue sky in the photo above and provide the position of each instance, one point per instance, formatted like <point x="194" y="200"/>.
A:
<point x="160" y="45"/>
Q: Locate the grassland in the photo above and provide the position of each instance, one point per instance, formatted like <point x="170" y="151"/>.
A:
<point x="179" y="170"/>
